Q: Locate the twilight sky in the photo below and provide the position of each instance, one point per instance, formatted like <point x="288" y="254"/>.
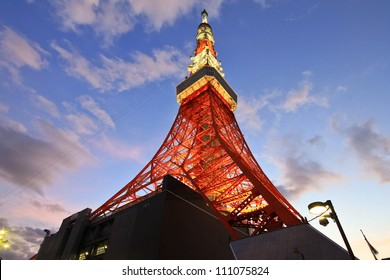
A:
<point x="87" y="95"/>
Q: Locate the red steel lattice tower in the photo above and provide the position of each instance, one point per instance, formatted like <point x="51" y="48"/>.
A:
<point x="206" y="150"/>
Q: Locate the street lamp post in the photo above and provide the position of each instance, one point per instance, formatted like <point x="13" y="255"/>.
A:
<point x="321" y="209"/>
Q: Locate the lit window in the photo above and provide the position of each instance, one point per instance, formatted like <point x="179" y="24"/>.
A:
<point x="101" y="248"/>
<point x="83" y="255"/>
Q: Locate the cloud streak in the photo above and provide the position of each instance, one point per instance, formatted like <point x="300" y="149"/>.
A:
<point x="45" y="104"/>
<point x="119" y="149"/>
<point x="302" y="96"/>
<point x="82" y="124"/>
<point x="111" y="19"/>
<point x="51" y="207"/>
<point x="300" y="172"/>
<point x="27" y="161"/>
<point x="248" y="111"/>
<point x="370" y="146"/>
<point x="16" y="51"/>
<point x="91" y="106"/>
<point x="160" y="13"/>
<point x="263" y="3"/>
<point x="118" y="74"/>
<point x="278" y="102"/>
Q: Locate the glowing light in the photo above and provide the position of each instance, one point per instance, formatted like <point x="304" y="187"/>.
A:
<point x="4" y="243"/>
<point x="317" y="208"/>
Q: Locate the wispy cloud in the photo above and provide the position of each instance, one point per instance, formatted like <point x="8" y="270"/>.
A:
<point x="302" y="174"/>
<point x="51" y="207"/>
<point x="164" y="63"/>
<point x="82" y="124"/>
<point x="78" y="66"/>
<point x="33" y="163"/>
<point x="302" y="95"/>
<point x="11" y="124"/>
<point x="45" y="104"/>
<point x="304" y="13"/>
<point x="300" y="171"/>
<point x="90" y="120"/>
<point x="17" y="51"/>
<point x="94" y="125"/>
<point x="162" y="12"/>
<point x="119" y="74"/>
<point x="119" y="149"/>
<point x="279" y="102"/>
<point x="263" y="3"/>
<point x="113" y="18"/>
<point x="316" y="139"/>
<point x="109" y="19"/>
<point x="341" y="89"/>
<point x="371" y="147"/>
<point x="4" y="108"/>
<point x="90" y="105"/>
<point x="248" y="111"/>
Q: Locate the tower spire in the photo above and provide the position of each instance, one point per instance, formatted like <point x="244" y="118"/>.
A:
<point x="204" y="16"/>
<point x="205" y="53"/>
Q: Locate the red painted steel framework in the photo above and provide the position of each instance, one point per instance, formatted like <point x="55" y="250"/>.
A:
<point x="206" y="150"/>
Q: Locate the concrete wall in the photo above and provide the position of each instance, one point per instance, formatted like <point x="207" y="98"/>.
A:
<point x="64" y="244"/>
<point x="189" y="229"/>
<point x="174" y="224"/>
<point x="292" y="243"/>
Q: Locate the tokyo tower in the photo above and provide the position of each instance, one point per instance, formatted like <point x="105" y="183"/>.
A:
<point x="206" y="150"/>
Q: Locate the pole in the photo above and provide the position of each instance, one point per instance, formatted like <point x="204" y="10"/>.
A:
<point x="336" y="219"/>
<point x="372" y="249"/>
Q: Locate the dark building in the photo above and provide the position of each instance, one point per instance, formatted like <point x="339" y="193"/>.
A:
<point x="175" y="223"/>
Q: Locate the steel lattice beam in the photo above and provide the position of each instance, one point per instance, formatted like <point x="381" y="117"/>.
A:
<point x="206" y="150"/>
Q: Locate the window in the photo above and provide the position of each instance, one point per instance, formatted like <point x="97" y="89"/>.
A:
<point x="101" y="248"/>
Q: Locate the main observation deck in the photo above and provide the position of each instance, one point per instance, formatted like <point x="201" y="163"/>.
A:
<point x="206" y="74"/>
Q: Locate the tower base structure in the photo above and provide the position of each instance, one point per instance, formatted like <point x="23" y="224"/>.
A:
<point x="176" y="223"/>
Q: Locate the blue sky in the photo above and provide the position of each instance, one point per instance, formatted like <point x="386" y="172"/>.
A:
<point x="87" y="95"/>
